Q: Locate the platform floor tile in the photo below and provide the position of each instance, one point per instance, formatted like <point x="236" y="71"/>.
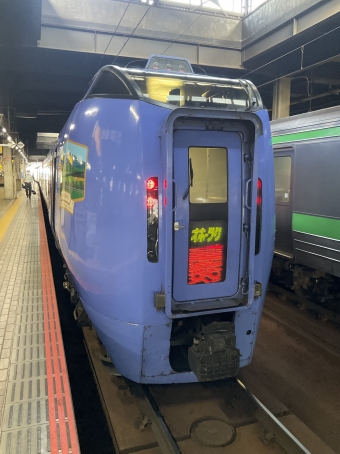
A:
<point x="24" y="400"/>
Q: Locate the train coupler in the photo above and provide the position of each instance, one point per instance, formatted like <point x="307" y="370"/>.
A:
<point x="214" y="356"/>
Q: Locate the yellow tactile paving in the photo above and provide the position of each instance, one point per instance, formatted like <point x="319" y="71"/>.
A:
<point x="6" y="219"/>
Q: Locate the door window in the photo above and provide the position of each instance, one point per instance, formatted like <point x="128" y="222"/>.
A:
<point x="282" y="166"/>
<point x="208" y="175"/>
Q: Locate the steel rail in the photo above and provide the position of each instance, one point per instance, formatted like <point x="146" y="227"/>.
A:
<point x="102" y="400"/>
<point x="334" y="317"/>
<point x="148" y="406"/>
<point x="272" y="425"/>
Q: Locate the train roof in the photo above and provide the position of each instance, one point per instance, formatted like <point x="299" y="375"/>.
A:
<point x="325" y="118"/>
<point x="175" y="89"/>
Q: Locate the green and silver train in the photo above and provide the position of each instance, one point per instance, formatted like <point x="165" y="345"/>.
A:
<point x="307" y="191"/>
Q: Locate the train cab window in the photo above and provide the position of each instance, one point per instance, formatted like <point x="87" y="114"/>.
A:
<point x="108" y="84"/>
<point x="208" y="175"/>
<point x="282" y="166"/>
<point x="183" y="90"/>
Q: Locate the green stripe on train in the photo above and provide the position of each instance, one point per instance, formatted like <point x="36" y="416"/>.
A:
<point x="307" y="135"/>
<point x="317" y="225"/>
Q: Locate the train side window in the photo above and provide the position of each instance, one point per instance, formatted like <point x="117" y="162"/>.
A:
<point x="208" y="175"/>
<point x="108" y="84"/>
<point x="282" y="167"/>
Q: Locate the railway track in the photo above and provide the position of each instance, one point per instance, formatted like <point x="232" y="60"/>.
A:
<point x="203" y="418"/>
<point x="299" y="316"/>
<point x="303" y="303"/>
<point x="274" y="430"/>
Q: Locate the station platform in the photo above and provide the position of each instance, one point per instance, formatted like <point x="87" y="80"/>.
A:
<point x="36" y="410"/>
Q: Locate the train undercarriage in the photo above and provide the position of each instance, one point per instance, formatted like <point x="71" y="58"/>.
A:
<point x="315" y="285"/>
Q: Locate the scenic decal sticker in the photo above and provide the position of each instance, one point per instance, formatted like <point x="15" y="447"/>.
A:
<point x="72" y="168"/>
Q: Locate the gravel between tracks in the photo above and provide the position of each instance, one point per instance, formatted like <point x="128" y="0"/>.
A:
<point x="302" y="375"/>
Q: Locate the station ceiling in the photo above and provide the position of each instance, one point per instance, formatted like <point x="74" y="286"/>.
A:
<point x="51" y="49"/>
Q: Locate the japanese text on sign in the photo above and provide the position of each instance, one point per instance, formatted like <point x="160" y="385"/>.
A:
<point x="202" y="235"/>
<point x="206" y="265"/>
<point x="207" y="249"/>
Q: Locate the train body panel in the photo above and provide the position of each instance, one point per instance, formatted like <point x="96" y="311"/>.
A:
<point x="306" y="149"/>
<point x="164" y="215"/>
<point x="94" y="237"/>
<point x="265" y="169"/>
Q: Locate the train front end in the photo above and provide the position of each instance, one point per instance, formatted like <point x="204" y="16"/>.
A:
<point x="217" y="242"/>
<point x="180" y="219"/>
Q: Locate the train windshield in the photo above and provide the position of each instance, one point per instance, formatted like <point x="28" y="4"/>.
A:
<point x="193" y="92"/>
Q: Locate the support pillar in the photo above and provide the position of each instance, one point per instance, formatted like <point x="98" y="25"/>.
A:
<point x="281" y="98"/>
<point x="9" y="180"/>
<point x="22" y="169"/>
<point x="17" y="174"/>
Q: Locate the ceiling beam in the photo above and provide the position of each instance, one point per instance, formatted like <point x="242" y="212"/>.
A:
<point x="277" y="22"/>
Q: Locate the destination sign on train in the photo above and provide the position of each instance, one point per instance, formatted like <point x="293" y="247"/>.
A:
<point x="204" y="233"/>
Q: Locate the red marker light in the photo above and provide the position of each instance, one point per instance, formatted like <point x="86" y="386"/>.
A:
<point x="152" y="218"/>
<point x="259" y="192"/>
<point x="258" y="216"/>
<point x="152" y="183"/>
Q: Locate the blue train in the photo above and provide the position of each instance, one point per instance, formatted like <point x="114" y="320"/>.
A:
<point x="160" y="193"/>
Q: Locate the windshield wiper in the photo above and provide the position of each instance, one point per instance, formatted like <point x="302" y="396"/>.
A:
<point x="191" y="179"/>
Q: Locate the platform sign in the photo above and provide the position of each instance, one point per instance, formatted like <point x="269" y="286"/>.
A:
<point x="207" y="246"/>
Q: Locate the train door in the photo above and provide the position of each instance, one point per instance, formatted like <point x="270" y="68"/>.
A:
<point x="283" y="165"/>
<point x="207" y="214"/>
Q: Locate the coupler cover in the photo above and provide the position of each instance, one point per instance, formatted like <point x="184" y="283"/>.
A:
<point x="214" y="356"/>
